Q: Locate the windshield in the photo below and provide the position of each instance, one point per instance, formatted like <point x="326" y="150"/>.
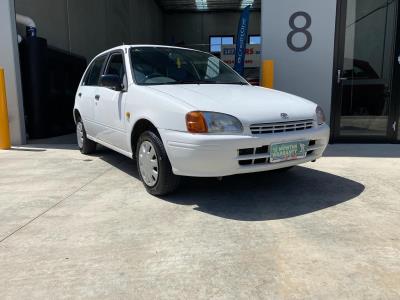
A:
<point x="160" y="65"/>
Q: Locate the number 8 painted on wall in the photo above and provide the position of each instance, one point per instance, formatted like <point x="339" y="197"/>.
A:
<point x="302" y="30"/>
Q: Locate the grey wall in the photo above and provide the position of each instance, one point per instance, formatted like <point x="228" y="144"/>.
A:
<point x="309" y="73"/>
<point x="9" y="61"/>
<point x="194" y="29"/>
<point x="91" y="26"/>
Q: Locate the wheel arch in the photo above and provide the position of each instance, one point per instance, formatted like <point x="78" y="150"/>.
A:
<point x="77" y="115"/>
<point x="141" y="126"/>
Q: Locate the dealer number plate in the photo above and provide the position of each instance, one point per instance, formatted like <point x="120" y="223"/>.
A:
<point x="288" y="151"/>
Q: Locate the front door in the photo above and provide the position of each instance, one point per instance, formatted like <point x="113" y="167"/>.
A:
<point x="367" y="100"/>
<point x="110" y="106"/>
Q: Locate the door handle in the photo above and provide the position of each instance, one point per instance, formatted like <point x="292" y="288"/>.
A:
<point x="79" y="94"/>
<point x="339" y="76"/>
<point x="97" y="97"/>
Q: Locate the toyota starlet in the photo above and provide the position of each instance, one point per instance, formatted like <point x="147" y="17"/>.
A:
<point x="182" y="112"/>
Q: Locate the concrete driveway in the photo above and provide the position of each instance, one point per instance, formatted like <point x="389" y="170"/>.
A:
<point x="83" y="227"/>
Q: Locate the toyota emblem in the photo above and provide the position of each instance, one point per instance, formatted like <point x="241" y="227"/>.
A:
<point x="284" y="116"/>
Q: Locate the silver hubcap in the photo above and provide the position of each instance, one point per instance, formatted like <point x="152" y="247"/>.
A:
<point x="148" y="163"/>
<point x="79" y="134"/>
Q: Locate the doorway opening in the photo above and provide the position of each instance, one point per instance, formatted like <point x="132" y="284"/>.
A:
<point x="366" y="97"/>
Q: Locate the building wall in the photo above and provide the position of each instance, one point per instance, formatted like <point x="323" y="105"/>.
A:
<point x="9" y="61"/>
<point x="306" y="73"/>
<point x="91" y="26"/>
<point x="194" y="29"/>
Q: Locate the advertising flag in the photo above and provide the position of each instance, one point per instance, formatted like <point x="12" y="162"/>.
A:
<point x="241" y="40"/>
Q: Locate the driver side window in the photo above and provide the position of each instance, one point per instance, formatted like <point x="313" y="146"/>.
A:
<point x="116" y="66"/>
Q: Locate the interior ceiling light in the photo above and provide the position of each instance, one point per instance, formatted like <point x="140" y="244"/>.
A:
<point x="246" y="3"/>
<point x="201" y="4"/>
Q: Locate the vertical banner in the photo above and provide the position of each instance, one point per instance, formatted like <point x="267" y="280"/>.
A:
<point x="241" y="40"/>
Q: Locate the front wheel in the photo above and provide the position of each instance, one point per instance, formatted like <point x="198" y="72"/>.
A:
<point x="154" y="166"/>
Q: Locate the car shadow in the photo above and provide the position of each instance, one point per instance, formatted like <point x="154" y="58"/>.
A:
<point x="256" y="196"/>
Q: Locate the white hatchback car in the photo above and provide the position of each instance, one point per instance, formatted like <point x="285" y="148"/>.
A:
<point x="182" y="112"/>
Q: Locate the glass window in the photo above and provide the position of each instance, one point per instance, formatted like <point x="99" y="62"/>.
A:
<point x="254" y="39"/>
<point x="227" y="40"/>
<point x="116" y="65"/>
<point x="162" y="65"/>
<point x="212" y="68"/>
<point x="215" y="48"/>
<point x="93" y="74"/>
<point x="367" y="70"/>
<point x="217" y="41"/>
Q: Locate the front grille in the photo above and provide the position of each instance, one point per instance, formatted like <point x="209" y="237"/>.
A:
<point x="261" y="155"/>
<point x="253" y="156"/>
<point x="268" y="128"/>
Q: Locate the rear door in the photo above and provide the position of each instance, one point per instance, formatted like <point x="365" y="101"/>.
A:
<point x="110" y="105"/>
<point x="86" y="94"/>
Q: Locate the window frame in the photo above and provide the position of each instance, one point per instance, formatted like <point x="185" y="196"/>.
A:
<point x="131" y="62"/>
<point x="109" y="59"/>
<point x="220" y="36"/>
<point x="110" y="54"/>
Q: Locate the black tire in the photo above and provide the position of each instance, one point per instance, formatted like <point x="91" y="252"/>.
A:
<point x="166" y="182"/>
<point x="85" y="145"/>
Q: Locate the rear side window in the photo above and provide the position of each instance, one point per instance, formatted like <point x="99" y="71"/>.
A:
<point x="93" y="76"/>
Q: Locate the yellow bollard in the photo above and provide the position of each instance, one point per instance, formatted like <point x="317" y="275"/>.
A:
<point x="267" y="75"/>
<point x="4" y="127"/>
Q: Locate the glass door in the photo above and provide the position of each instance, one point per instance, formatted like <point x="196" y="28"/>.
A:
<point x="365" y="103"/>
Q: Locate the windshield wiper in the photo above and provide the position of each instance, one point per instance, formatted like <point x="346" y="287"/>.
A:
<point x="238" y="83"/>
<point x="173" y="82"/>
<point x="207" y="82"/>
<point x="187" y="82"/>
<point x="197" y="82"/>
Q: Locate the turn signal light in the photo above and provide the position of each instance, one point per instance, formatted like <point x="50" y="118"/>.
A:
<point x="196" y="123"/>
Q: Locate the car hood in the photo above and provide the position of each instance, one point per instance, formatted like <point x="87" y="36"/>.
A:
<point x="248" y="103"/>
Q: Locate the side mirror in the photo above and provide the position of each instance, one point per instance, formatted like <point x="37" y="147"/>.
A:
<point x="112" y="81"/>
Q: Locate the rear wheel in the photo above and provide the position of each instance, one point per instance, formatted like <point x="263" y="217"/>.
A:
<point x="85" y="145"/>
<point x="154" y="166"/>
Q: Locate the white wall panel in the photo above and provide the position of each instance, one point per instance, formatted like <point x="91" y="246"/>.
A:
<point x="305" y="73"/>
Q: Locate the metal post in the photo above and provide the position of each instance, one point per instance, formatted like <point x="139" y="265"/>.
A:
<point x="4" y="127"/>
<point x="267" y="74"/>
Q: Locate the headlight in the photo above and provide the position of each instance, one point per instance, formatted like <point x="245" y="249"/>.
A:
<point x="212" y="122"/>
<point x="320" y="115"/>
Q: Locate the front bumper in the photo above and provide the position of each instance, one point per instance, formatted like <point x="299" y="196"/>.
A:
<point x="202" y="155"/>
